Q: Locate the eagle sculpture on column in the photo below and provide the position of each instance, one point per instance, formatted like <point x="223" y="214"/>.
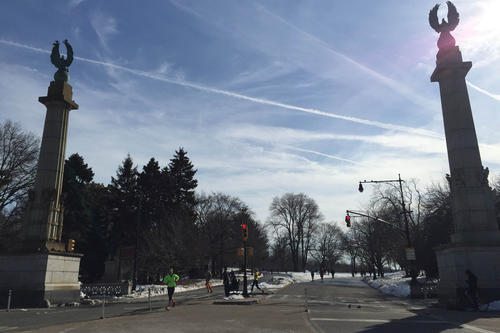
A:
<point x="60" y="62"/>
<point x="446" y="40"/>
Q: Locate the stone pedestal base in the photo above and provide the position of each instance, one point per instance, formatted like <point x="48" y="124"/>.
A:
<point x="39" y="280"/>
<point x="482" y="261"/>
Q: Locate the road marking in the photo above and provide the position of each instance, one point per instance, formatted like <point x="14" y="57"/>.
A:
<point x="384" y="321"/>
<point x="7" y="328"/>
<point x="469" y="327"/>
<point x="475" y="329"/>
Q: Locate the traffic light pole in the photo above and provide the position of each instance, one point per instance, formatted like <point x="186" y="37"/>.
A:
<point x="405" y="216"/>
<point x="245" y="283"/>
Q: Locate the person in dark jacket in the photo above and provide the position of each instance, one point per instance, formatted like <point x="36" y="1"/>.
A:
<point x="225" y="279"/>
<point x="471" y="288"/>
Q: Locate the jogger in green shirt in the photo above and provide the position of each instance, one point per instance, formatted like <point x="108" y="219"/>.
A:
<point x="170" y="280"/>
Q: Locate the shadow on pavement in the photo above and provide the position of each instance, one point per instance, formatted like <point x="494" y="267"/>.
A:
<point x="439" y="320"/>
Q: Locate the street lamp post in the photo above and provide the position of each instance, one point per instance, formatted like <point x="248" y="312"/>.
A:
<point x="405" y="216"/>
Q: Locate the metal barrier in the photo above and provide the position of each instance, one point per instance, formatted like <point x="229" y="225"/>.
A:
<point x="106" y="289"/>
<point x="428" y="289"/>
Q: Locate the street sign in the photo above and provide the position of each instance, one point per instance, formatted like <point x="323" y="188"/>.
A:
<point x="410" y="254"/>
<point x="241" y="251"/>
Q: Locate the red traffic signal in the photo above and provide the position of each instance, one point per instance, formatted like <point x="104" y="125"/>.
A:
<point x="244" y="232"/>
<point x="348" y="221"/>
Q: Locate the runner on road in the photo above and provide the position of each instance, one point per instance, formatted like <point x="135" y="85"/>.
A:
<point x="255" y="283"/>
<point x="170" y="280"/>
<point x="208" y="276"/>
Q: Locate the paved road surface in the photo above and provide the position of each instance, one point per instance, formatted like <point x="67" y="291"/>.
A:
<point x="339" y="305"/>
<point x="348" y="305"/>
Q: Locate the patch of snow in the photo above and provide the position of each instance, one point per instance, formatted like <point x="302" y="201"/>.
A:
<point x="161" y="289"/>
<point x="394" y="284"/>
<point x="236" y="296"/>
<point x="494" y="306"/>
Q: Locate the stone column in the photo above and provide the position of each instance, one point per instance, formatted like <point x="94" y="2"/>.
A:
<point x="44" y="220"/>
<point x="41" y="272"/>
<point x="475" y="243"/>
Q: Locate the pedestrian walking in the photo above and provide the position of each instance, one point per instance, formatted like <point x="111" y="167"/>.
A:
<point x="225" y="279"/>
<point x="471" y="288"/>
<point x="255" y="283"/>
<point x="170" y="280"/>
<point x="312" y="274"/>
<point x="321" y="273"/>
<point x="208" y="276"/>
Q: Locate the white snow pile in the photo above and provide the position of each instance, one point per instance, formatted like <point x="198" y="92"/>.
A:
<point x="394" y="284"/>
<point x="161" y="289"/>
<point x="276" y="282"/>
<point x="234" y="296"/>
<point x="298" y="277"/>
<point x="494" y="306"/>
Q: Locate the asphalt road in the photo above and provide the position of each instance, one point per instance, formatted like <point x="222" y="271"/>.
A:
<point x="27" y="319"/>
<point x="349" y="305"/>
<point x="339" y="305"/>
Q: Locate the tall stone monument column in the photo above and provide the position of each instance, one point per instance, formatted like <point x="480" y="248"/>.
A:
<point x="475" y="243"/>
<point x="42" y="271"/>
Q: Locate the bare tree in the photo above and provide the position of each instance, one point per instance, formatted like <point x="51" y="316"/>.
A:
<point x="18" y="162"/>
<point x="328" y="245"/>
<point x="298" y="217"/>
<point x="351" y="247"/>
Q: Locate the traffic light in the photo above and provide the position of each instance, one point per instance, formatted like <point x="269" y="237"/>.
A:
<point x="244" y="232"/>
<point x="71" y="245"/>
<point x="348" y="220"/>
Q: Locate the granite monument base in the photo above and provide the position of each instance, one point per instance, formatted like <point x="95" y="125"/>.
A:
<point x="39" y="280"/>
<point x="482" y="261"/>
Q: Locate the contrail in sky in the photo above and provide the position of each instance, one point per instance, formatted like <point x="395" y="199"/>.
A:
<point x="393" y="84"/>
<point x="320" y="154"/>
<point x="183" y="83"/>
<point x="487" y="93"/>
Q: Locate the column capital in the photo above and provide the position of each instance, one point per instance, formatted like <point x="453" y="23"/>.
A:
<point x="59" y="92"/>
<point x="449" y="63"/>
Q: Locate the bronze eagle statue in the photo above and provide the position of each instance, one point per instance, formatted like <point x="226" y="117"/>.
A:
<point x="453" y="18"/>
<point x="60" y="62"/>
<point x="446" y="40"/>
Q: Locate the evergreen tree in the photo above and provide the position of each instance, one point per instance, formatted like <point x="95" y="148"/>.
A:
<point x="125" y="203"/>
<point x="77" y="175"/>
<point x="99" y="240"/>
<point x="182" y="173"/>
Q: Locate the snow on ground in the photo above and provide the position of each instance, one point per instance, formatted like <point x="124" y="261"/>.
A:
<point x="394" y="284"/>
<point x="161" y="289"/>
<point x="234" y="296"/>
<point x="494" y="306"/>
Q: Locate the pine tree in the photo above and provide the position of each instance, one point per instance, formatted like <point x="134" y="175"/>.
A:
<point x="124" y="191"/>
<point x="77" y="175"/>
<point x="182" y="173"/>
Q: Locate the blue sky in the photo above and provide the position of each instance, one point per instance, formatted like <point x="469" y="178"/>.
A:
<point x="266" y="97"/>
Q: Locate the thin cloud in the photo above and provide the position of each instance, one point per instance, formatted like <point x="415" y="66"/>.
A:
<point x="487" y="93"/>
<point x="320" y="154"/>
<point x="393" y="84"/>
<point x="104" y="27"/>
<point x="188" y="84"/>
